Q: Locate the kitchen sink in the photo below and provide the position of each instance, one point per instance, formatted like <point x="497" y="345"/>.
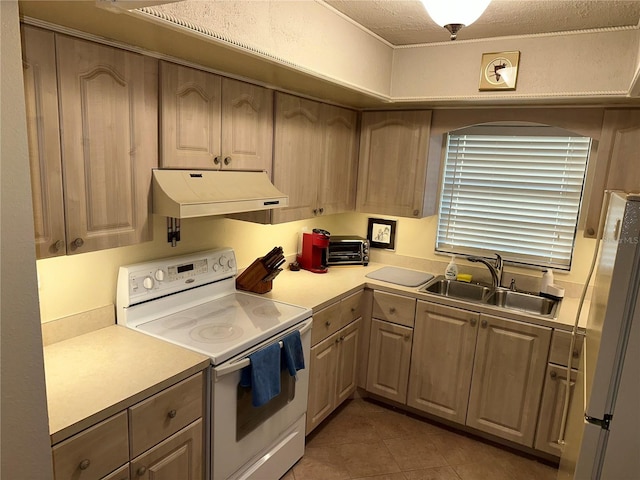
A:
<point x="462" y="290"/>
<point x="523" y="301"/>
<point x="496" y="297"/>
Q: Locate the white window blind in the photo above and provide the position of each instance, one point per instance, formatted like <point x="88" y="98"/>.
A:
<point x="517" y="195"/>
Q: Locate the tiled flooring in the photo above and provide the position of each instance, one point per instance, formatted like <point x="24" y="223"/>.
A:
<point x="365" y="440"/>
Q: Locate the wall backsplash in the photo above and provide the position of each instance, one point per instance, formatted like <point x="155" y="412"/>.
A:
<point x="77" y="283"/>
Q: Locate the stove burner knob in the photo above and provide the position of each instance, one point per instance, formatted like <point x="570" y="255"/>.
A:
<point x="216" y="267"/>
<point x="222" y="261"/>
<point x="159" y="275"/>
<point x="148" y="283"/>
<point x="230" y="263"/>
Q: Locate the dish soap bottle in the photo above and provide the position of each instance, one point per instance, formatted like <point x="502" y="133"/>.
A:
<point x="451" y="272"/>
<point x="547" y="280"/>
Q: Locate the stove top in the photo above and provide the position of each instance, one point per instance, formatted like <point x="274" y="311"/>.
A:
<point x="191" y="300"/>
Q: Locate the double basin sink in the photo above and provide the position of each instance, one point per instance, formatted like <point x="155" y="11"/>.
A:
<point x="498" y="297"/>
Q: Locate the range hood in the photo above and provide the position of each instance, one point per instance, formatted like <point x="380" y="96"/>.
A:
<point x="199" y="193"/>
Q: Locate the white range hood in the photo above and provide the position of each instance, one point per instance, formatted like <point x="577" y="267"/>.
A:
<point x="199" y="193"/>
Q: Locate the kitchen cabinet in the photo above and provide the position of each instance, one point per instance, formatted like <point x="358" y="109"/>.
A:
<point x="208" y="121"/>
<point x="315" y="158"/>
<point x="554" y="391"/>
<point x="334" y="358"/>
<point x="160" y="437"/>
<point x="393" y="164"/>
<point x="390" y="345"/>
<point x="444" y="343"/>
<point x="107" y="111"/>
<point x="43" y="134"/>
<point x="507" y="378"/>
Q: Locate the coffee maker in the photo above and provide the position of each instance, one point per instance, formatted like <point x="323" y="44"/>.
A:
<point x="315" y="246"/>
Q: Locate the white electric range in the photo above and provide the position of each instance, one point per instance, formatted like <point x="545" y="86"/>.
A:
<point x="192" y="301"/>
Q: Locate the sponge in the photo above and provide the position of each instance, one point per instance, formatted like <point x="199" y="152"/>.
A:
<point x="464" y="277"/>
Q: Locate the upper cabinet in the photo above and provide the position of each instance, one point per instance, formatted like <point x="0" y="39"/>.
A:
<point x="393" y="164"/>
<point x="315" y="158"/>
<point x="43" y="132"/>
<point x="208" y="121"/>
<point x="107" y="101"/>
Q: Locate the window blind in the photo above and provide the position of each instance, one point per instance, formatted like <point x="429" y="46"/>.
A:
<point x="516" y="195"/>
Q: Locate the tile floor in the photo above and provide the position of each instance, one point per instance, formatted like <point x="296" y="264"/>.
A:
<point x="366" y="440"/>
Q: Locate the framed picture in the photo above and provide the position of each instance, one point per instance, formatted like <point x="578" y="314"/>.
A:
<point x="382" y="233"/>
<point x="499" y="70"/>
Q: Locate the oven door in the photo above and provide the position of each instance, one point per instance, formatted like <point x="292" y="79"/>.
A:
<point x="258" y="442"/>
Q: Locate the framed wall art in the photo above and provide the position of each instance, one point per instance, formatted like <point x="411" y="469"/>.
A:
<point x="499" y="70"/>
<point x="382" y="233"/>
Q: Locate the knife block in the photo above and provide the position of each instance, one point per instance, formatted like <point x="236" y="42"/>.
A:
<point x="251" y="280"/>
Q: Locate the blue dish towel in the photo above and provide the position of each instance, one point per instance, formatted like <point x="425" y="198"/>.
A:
<point x="292" y="352"/>
<point x="263" y="375"/>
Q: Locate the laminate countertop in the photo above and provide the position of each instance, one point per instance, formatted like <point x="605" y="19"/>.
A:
<point x="93" y="376"/>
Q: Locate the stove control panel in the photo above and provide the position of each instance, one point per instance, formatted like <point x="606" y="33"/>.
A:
<point x="157" y="278"/>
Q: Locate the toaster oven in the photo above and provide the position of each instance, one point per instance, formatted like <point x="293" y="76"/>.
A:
<point x="348" y="250"/>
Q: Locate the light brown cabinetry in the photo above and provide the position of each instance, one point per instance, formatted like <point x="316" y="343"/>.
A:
<point x="208" y="121"/>
<point x="43" y="133"/>
<point x="390" y="345"/>
<point x="160" y="437"/>
<point x="334" y="358"/>
<point x="393" y="163"/>
<point x="444" y="344"/>
<point x="554" y="392"/>
<point x="508" y="374"/>
<point x="315" y="158"/>
<point x="107" y="112"/>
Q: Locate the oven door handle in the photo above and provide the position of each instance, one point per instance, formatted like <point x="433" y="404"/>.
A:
<point x="243" y="362"/>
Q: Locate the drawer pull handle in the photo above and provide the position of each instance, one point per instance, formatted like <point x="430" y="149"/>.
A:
<point x="84" y="464"/>
<point x="141" y="471"/>
<point x="172" y="414"/>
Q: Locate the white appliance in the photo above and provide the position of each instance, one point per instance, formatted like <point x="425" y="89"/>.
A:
<point x="603" y="428"/>
<point x="192" y="301"/>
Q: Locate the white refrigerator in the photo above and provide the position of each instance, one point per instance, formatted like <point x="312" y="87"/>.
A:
<point x="603" y="427"/>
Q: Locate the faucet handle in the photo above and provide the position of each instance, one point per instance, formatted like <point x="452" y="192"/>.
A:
<point x="498" y="261"/>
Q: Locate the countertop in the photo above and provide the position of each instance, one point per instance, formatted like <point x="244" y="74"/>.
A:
<point x="318" y="290"/>
<point x="95" y="375"/>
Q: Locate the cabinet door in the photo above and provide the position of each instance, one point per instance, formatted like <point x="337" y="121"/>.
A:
<point x="190" y="117"/>
<point x="442" y="360"/>
<point x="337" y="188"/>
<point x="393" y="162"/>
<point x="108" y="110"/>
<point x="389" y="358"/>
<point x="43" y="134"/>
<point x="550" y="418"/>
<point x="347" y="368"/>
<point x="508" y="372"/>
<point x="177" y="457"/>
<point x="322" y="381"/>
<point x="297" y="156"/>
<point x="247" y="126"/>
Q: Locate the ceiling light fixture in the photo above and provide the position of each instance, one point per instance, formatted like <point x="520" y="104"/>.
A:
<point x="455" y="14"/>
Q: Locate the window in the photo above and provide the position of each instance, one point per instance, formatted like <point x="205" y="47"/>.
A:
<point x="514" y="191"/>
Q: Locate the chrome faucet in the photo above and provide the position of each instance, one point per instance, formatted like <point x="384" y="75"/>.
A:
<point x="495" y="270"/>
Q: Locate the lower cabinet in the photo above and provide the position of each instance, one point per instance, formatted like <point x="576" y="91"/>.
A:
<point x="159" y="438"/>
<point x="335" y="356"/>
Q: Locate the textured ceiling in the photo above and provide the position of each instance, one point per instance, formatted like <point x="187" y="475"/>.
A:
<point x="405" y="22"/>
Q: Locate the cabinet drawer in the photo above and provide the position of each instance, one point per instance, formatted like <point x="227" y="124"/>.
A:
<point x="559" y="352"/>
<point x="93" y="453"/>
<point x="351" y="308"/>
<point x="326" y="322"/>
<point x="162" y="415"/>
<point x="394" y="308"/>
<point x="121" y="474"/>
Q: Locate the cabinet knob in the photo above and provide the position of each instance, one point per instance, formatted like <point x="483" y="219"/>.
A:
<point x="227" y="160"/>
<point x="416" y="213"/>
<point x="172" y="414"/>
<point x="59" y="245"/>
<point x="342" y="339"/>
<point x="216" y="160"/>
<point x="392" y="310"/>
<point x="141" y="471"/>
<point x="77" y="243"/>
<point x="407" y="336"/>
<point x="327" y="323"/>
<point x="353" y="309"/>
<point x="315" y="211"/>
<point x="321" y="210"/>
<point x="576" y="354"/>
<point x="84" y="464"/>
<point x="591" y="232"/>
<point x="473" y="322"/>
<point x="553" y="375"/>
<point x="484" y="323"/>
